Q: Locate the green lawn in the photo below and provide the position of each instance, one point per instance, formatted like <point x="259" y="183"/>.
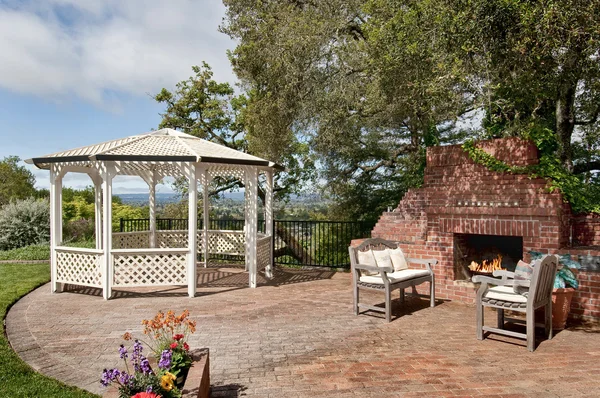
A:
<point x="17" y="379"/>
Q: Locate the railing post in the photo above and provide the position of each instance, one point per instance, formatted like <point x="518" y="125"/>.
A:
<point x="121" y="224"/>
<point x="272" y="242"/>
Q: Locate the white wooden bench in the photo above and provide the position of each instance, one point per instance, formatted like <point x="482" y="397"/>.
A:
<point x="386" y="278"/>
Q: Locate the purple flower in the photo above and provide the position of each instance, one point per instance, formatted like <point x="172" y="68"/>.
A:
<point x="136" y="356"/>
<point x="165" y="360"/>
<point x="137" y="348"/>
<point x="125" y="378"/>
<point x="145" y="365"/>
<point x="149" y="389"/>
<point x="108" y="376"/>
<point x="123" y="351"/>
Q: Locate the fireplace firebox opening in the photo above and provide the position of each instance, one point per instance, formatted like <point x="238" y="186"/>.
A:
<point x="481" y="254"/>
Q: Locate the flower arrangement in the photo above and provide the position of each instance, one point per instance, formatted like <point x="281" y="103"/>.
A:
<point x="167" y="335"/>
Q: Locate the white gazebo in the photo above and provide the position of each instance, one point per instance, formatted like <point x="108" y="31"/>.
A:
<point x="156" y="257"/>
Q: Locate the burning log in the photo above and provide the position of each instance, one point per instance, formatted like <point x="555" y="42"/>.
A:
<point x="487" y="266"/>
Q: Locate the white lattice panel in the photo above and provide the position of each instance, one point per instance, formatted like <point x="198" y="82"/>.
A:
<point x="226" y="171"/>
<point x="149" y="269"/>
<point x="78" y="267"/>
<point x="226" y="242"/>
<point x="175" y="239"/>
<point x="263" y="252"/>
<point x="131" y="240"/>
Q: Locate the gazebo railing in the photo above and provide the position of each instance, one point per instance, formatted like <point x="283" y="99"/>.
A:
<point x="219" y="241"/>
<point x="263" y="252"/>
<point x="131" y="240"/>
<point x="135" y="264"/>
<point x="79" y="266"/>
<point x="149" y="267"/>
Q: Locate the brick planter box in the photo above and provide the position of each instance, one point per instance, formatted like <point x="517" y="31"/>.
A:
<point x="197" y="383"/>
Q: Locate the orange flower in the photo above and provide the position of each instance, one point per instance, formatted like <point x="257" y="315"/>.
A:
<point x="127" y="336"/>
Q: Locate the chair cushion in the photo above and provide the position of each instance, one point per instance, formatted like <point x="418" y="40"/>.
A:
<point x="523" y="272"/>
<point x="504" y="293"/>
<point x="398" y="259"/>
<point x="382" y="258"/>
<point x="367" y="258"/>
<point x="396" y="276"/>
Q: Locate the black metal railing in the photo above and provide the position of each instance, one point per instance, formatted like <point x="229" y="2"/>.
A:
<point x="302" y="243"/>
<point x="171" y="224"/>
<point x="321" y="243"/>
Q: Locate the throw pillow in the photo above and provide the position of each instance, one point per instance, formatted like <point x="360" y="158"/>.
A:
<point x="398" y="259"/>
<point x="367" y="258"/>
<point x="523" y="272"/>
<point x="382" y="258"/>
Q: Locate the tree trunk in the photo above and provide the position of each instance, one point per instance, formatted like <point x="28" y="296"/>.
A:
<point x="565" y="122"/>
<point x="565" y="105"/>
<point x="293" y="247"/>
<point x="296" y="249"/>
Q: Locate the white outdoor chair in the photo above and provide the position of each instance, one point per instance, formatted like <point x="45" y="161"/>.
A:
<point x="502" y="296"/>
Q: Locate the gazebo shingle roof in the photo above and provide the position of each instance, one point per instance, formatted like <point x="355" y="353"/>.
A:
<point x="164" y="145"/>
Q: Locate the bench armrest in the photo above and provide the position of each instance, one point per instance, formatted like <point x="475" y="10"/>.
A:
<point x="428" y="262"/>
<point x="504" y="274"/>
<point x="431" y="261"/>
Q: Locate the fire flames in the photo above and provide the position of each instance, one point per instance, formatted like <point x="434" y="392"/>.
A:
<point x="487" y="266"/>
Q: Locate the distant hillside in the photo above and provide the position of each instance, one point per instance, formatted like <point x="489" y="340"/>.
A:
<point x="141" y="199"/>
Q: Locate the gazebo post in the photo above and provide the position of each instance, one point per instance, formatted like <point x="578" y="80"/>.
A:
<point x="95" y="177"/>
<point x="205" y="214"/>
<point x="269" y="218"/>
<point x="56" y="175"/>
<point x="192" y="173"/>
<point x="251" y="222"/>
<point x="98" y="213"/>
<point x="152" y="206"/>
<point x="107" y="173"/>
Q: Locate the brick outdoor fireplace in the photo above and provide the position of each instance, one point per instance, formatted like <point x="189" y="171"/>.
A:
<point x="465" y="213"/>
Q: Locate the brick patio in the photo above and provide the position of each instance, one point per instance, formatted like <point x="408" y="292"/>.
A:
<point x="296" y="336"/>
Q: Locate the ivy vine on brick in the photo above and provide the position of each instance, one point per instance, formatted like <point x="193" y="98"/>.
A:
<point x="582" y="197"/>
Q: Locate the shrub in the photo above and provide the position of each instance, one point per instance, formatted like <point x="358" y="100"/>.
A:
<point x="29" y="253"/>
<point x="78" y="230"/>
<point x="23" y="223"/>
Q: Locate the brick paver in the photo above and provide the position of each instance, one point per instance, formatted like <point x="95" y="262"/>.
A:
<point x="297" y="337"/>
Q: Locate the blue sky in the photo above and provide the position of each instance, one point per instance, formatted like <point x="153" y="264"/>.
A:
<point x="79" y="72"/>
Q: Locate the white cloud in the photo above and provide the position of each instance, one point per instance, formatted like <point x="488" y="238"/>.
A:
<point x="92" y="49"/>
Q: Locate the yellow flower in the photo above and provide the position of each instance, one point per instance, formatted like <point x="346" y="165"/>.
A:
<point x="166" y="382"/>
